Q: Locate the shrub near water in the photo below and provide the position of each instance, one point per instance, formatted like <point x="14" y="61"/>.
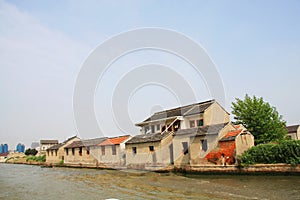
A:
<point x="287" y="151"/>
<point x="36" y="158"/>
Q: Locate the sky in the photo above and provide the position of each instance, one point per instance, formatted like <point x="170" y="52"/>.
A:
<point x="255" y="46"/>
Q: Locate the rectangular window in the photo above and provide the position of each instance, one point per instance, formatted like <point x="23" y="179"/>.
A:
<point x="73" y="151"/>
<point x="51" y="152"/>
<point x="48" y="152"/>
<point x="185" y="148"/>
<point x="151" y="148"/>
<point x="103" y="150"/>
<point x="152" y="129"/>
<point x="134" y="150"/>
<point x="147" y="129"/>
<point x="158" y="127"/>
<point x="56" y="152"/>
<point x="204" y="145"/>
<point x="87" y="151"/>
<point x="114" y="150"/>
<point x="192" y="123"/>
<point x="200" y="122"/>
<point x="67" y="152"/>
<point x="80" y="151"/>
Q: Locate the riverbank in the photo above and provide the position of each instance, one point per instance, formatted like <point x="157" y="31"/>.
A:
<point x="280" y="169"/>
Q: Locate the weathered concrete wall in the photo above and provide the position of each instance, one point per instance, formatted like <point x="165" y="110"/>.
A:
<point x="243" y="142"/>
<point x="215" y="114"/>
<point x="84" y="158"/>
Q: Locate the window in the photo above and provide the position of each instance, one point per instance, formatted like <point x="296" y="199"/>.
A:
<point x="151" y="148"/>
<point x="56" y="152"/>
<point x="48" y="152"/>
<point x="200" y="122"/>
<point x="88" y="151"/>
<point x="134" y="150"/>
<point x="73" y="151"/>
<point x="51" y="152"/>
<point x="152" y="129"/>
<point x="204" y="145"/>
<point x="67" y="152"/>
<point x="114" y="150"/>
<point x="185" y="148"/>
<point x="158" y="127"/>
<point x="192" y="123"/>
<point x="80" y="151"/>
<point x="103" y="150"/>
<point x="147" y="129"/>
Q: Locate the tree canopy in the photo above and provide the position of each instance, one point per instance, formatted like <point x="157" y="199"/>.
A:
<point x="262" y="120"/>
<point x="31" y="152"/>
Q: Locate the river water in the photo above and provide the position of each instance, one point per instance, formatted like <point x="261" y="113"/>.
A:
<point x="34" y="182"/>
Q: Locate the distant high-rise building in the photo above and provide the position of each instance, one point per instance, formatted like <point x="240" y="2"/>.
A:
<point x="3" y="148"/>
<point x="34" y="145"/>
<point x="20" y="148"/>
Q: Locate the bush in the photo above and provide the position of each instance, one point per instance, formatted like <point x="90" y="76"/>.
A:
<point x="286" y="151"/>
<point x="36" y="158"/>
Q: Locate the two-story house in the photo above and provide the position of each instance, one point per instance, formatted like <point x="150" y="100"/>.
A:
<point x="166" y="136"/>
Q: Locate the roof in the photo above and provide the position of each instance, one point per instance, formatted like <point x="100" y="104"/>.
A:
<point x="144" y="138"/>
<point x="192" y="109"/>
<point x="114" y="140"/>
<point x="55" y="147"/>
<point x="86" y="143"/>
<point x="4" y="154"/>
<point x="71" y="138"/>
<point x="48" y="141"/>
<point x="202" y="130"/>
<point x="292" y="129"/>
<point x="231" y="135"/>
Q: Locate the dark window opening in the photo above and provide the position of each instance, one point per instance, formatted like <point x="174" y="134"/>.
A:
<point x="67" y="152"/>
<point x="134" y="150"/>
<point x="103" y="150"/>
<point x="51" y="152"/>
<point x="114" y="150"/>
<point x="200" y="122"/>
<point x="147" y="129"/>
<point x="204" y="145"/>
<point x="80" y="151"/>
<point x="192" y="123"/>
<point x="151" y="148"/>
<point x="73" y="151"/>
<point x="48" y="152"/>
<point x="185" y="148"/>
<point x="88" y="151"/>
<point x="56" y="152"/>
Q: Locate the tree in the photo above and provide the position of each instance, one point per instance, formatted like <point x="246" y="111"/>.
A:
<point x="31" y="152"/>
<point x="262" y="120"/>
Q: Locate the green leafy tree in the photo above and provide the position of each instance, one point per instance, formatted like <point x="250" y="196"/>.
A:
<point x="262" y="120"/>
<point x="31" y="152"/>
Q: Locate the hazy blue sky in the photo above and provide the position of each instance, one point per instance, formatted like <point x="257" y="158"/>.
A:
<point x="254" y="44"/>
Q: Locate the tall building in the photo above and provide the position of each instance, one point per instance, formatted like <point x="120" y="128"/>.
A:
<point x="20" y="148"/>
<point x="3" y="148"/>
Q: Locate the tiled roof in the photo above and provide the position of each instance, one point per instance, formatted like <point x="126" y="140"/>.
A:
<point x="202" y="130"/>
<point x="55" y="147"/>
<point x="153" y="137"/>
<point x="4" y="154"/>
<point x="196" y="108"/>
<point x="114" y="140"/>
<point x="86" y="143"/>
<point x="292" y="129"/>
<point x="231" y="135"/>
<point x="71" y="138"/>
<point x="49" y="142"/>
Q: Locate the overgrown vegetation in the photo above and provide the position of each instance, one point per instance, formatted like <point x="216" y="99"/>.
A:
<point x="287" y="151"/>
<point x="36" y="158"/>
<point x="262" y="120"/>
